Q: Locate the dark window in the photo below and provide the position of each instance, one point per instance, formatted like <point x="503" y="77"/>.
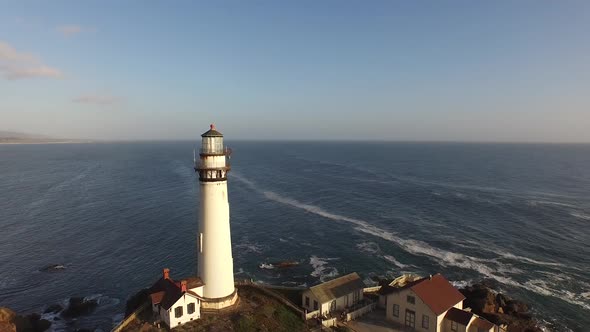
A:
<point x="454" y="326"/>
<point x="410" y="318"/>
<point x="307" y="301"/>
<point x="315" y="305"/>
<point x="411" y="299"/>
<point x="190" y="308"/>
<point x="425" y="321"/>
<point x="396" y="310"/>
<point x="178" y="312"/>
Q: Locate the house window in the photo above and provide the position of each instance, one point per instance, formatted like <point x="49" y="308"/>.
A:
<point x="411" y="299"/>
<point x="454" y="326"/>
<point x="190" y="308"/>
<point x="425" y="321"/>
<point x="178" y="312"/>
<point x="395" y="310"/>
<point x="355" y="297"/>
<point x="315" y="305"/>
<point x="307" y="301"/>
<point x="410" y="318"/>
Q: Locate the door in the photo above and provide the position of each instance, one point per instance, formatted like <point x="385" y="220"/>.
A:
<point x="410" y="318"/>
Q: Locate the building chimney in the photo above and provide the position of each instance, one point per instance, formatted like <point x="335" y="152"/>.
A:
<point x="166" y="273"/>
<point x="183" y="286"/>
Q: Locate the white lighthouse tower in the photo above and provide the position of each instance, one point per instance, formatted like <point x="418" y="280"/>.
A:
<point x="215" y="265"/>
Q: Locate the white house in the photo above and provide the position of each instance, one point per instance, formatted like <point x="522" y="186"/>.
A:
<point x="176" y="303"/>
<point x="431" y="304"/>
<point x="334" y="295"/>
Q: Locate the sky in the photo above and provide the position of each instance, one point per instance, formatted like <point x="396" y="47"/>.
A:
<point x="500" y="71"/>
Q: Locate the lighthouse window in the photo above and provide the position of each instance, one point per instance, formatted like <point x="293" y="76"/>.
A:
<point x="190" y="308"/>
<point x="178" y="312"/>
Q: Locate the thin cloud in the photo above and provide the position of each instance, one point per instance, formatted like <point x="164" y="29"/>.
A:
<point x="69" y="30"/>
<point x="100" y="100"/>
<point x="16" y="65"/>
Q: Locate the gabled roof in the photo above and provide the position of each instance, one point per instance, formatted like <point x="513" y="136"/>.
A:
<point x="335" y="288"/>
<point x="437" y="293"/>
<point x="459" y="316"/>
<point x="194" y="282"/>
<point x="386" y="288"/>
<point x="482" y="323"/>
<point x="166" y="292"/>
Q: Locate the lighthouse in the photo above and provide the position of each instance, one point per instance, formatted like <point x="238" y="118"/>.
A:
<point x="215" y="261"/>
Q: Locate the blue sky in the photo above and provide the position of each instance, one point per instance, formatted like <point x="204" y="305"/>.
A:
<point x="372" y="70"/>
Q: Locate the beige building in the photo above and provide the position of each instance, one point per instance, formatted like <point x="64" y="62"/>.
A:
<point x="175" y="303"/>
<point x="334" y="295"/>
<point x="431" y="304"/>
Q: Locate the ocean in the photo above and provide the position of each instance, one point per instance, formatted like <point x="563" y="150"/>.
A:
<point x="115" y="214"/>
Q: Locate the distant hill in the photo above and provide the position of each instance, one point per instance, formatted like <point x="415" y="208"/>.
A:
<point x="11" y="137"/>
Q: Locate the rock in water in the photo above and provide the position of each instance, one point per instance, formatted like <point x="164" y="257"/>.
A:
<point x="79" y="306"/>
<point x="6" y="320"/>
<point x="52" y="268"/>
<point x="54" y="309"/>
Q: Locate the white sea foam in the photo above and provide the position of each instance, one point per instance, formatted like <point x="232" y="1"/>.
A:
<point x="580" y="215"/>
<point x="526" y="259"/>
<point x="368" y="247"/>
<point x="283" y="240"/>
<point x="266" y="266"/>
<point x="542" y="287"/>
<point x="246" y="247"/>
<point x="321" y="269"/>
<point x="462" y="283"/>
<point x="544" y="202"/>
<point x="486" y="267"/>
<point x="392" y="259"/>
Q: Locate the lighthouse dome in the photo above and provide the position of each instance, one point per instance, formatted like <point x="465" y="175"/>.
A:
<point x="212" y="132"/>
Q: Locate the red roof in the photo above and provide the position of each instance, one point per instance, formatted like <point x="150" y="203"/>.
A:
<point x="437" y="293"/>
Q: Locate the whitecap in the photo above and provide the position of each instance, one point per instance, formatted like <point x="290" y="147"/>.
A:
<point x="392" y="259"/>
<point x="368" y="247"/>
<point x="320" y="268"/>
<point x="580" y="215"/>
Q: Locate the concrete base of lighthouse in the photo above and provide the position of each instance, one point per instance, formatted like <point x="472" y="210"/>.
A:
<point x="220" y="303"/>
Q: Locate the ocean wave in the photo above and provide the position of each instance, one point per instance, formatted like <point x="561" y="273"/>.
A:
<point x="543" y="202"/>
<point x="392" y="259"/>
<point x="580" y="215"/>
<point x="321" y="269"/>
<point x="368" y="247"/>
<point x="528" y="260"/>
<point x="489" y="268"/>
<point x="542" y="287"/>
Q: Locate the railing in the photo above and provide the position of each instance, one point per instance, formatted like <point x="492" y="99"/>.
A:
<point x="215" y="152"/>
<point x="312" y="314"/>
<point x="130" y="318"/>
<point x="353" y="314"/>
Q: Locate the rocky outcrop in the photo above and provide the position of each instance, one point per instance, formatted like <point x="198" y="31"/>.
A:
<point x="135" y="301"/>
<point x="499" y="308"/>
<point x="79" y="306"/>
<point x="12" y="322"/>
<point x="53" y="268"/>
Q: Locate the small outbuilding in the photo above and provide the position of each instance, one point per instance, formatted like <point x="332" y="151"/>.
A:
<point x="176" y="303"/>
<point x="334" y="295"/>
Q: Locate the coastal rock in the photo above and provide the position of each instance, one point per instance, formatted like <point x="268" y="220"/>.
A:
<point x="6" y="315"/>
<point x="499" y="308"/>
<point x="135" y="301"/>
<point x="79" y="306"/>
<point x="54" y="309"/>
<point x="31" y="323"/>
<point x="10" y="321"/>
<point x="7" y="327"/>
<point x="53" y="268"/>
